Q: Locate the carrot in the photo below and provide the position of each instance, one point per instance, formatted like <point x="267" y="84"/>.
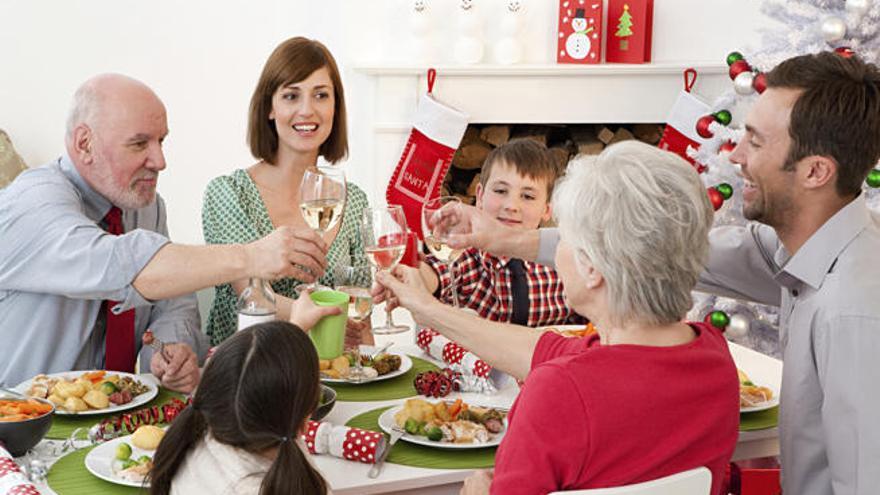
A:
<point x="455" y="408"/>
<point x="94" y="376"/>
<point x="16" y="410"/>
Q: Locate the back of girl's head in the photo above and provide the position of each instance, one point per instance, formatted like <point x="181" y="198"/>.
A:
<point x="256" y="392"/>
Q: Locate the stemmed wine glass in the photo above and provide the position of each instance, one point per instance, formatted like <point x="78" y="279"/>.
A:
<point x="322" y="200"/>
<point x="436" y="239"/>
<point x="355" y="281"/>
<point x="384" y="233"/>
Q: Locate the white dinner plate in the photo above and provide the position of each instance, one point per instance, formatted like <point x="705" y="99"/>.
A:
<point x="99" y="461"/>
<point x="139" y="400"/>
<point x="405" y="365"/>
<point x="763" y="406"/>
<point x="386" y="422"/>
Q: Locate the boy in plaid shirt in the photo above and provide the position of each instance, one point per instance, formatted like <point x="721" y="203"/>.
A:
<point x="515" y="186"/>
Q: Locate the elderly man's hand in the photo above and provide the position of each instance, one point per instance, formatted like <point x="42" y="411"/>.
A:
<point x="288" y="252"/>
<point x="470" y="227"/>
<point x="477" y="483"/>
<point x="180" y="371"/>
<point x="304" y="313"/>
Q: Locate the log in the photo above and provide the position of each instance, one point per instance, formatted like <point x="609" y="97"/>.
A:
<point x="472" y="189"/>
<point x="585" y="140"/>
<point x="561" y="155"/>
<point x="605" y="135"/>
<point x="496" y="135"/>
<point x="537" y="133"/>
<point x="648" y="133"/>
<point x="471" y="156"/>
<point x="622" y="134"/>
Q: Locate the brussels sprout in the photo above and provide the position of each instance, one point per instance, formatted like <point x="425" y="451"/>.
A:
<point x="144" y="459"/>
<point x="435" y="434"/>
<point x="108" y="388"/>
<point x="123" y="451"/>
<point x="412" y="426"/>
<point x="128" y="463"/>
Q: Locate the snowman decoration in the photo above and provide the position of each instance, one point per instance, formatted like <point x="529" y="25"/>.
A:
<point x="468" y="47"/>
<point x="578" y="43"/>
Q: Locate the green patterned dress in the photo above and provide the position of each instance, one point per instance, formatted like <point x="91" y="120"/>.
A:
<point x="233" y="212"/>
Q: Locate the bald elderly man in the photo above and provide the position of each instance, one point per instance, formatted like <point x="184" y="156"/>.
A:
<point x="86" y="266"/>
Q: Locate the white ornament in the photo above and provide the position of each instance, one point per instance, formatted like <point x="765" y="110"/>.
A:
<point x="743" y="83"/>
<point x="468" y="50"/>
<point x="833" y="29"/>
<point x="508" y="51"/>
<point x="469" y="23"/>
<point x="510" y="24"/>
<point x="858" y="7"/>
<point x="738" y="327"/>
<point x="419" y="23"/>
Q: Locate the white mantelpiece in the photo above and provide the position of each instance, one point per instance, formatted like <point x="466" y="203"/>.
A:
<point x="521" y="94"/>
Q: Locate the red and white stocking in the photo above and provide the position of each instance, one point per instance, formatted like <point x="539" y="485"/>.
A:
<point x="681" y="131"/>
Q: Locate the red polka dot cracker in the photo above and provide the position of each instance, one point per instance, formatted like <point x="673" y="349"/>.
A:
<point x="482" y="369"/>
<point x="362" y="445"/>
<point x="24" y="490"/>
<point x="8" y="466"/>
<point x="424" y="338"/>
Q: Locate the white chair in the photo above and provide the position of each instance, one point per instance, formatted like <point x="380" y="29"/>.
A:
<point x="694" y="482"/>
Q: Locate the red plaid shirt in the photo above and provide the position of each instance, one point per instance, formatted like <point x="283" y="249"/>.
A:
<point x="484" y="285"/>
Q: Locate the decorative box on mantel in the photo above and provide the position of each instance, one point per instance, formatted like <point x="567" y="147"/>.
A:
<point x="517" y="94"/>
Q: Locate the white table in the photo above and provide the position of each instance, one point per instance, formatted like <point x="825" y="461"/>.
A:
<point x="350" y="478"/>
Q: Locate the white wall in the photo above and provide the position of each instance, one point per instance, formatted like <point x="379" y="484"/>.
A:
<point x="203" y="58"/>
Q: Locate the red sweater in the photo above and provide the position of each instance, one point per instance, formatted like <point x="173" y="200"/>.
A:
<point x="595" y="416"/>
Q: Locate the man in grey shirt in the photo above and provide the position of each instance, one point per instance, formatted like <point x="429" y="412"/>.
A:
<point x="811" y="139"/>
<point x="58" y="264"/>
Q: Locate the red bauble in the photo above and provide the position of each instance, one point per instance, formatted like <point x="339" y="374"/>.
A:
<point x="715" y="197"/>
<point x="738" y="68"/>
<point x="727" y="147"/>
<point x="760" y="83"/>
<point x="844" y="51"/>
<point x="703" y="126"/>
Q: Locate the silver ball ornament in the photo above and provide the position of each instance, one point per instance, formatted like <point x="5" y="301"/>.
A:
<point x="743" y="83"/>
<point x="858" y="7"/>
<point x="833" y="29"/>
<point x="738" y="327"/>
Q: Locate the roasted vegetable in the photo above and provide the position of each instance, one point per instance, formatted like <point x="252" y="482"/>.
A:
<point x="412" y="426"/>
<point x="108" y="388"/>
<point x="435" y="434"/>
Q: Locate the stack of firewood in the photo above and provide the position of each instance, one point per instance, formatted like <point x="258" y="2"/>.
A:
<point x="564" y="142"/>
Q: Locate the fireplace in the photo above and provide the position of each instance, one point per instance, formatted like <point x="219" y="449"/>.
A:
<point x="608" y="98"/>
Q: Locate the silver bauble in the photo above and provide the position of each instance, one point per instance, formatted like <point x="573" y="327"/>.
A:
<point x="743" y="83"/>
<point x="738" y="327"/>
<point x="833" y="29"/>
<point x="858" y="7"/>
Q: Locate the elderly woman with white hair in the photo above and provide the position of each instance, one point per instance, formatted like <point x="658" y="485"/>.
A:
<point x="649" y="395"/>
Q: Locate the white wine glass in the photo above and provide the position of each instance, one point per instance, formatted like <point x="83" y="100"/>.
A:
<point x="355" y="280"/>
<point x="322" y="201"/>
<point x="384" y="234"/>
<point x="436" y="236"/>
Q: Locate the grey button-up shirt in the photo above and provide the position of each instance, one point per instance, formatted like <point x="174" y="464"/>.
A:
<point x="57" y="265"/>
<point x="830" y="336"/>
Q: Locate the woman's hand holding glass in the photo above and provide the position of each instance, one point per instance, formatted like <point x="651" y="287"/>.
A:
<point x="322" y="200"/>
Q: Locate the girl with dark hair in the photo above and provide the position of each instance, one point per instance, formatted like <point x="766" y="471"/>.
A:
<point x="241" y="433"/>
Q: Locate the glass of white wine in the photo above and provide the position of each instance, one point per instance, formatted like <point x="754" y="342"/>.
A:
<point x="436" y="239"/>
<point x="355" y="280"/>
<point x="384" y="233"/>
<point x="322" y="200"/>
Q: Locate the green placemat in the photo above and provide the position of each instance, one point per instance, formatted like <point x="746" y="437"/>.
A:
<point x="63" y="426"/>
<point x="69" y="476"/>
<point x="410" y="454"/>
<point x="400" y="387"/>
<point x="759" y="420"/>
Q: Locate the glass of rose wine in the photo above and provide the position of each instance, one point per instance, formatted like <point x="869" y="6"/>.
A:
<point x="435" y="236"/>
<point x="322" y="200"/>
<point x="384" y="233"/>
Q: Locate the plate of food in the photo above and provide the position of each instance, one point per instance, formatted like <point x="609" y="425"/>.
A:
<point x="576" y="331"/>
<point x="380" y="367"/>
<point x="91" y="392"/>
<point x="126" y="460"/>
<point x="447" y="424"/>
<point x="753" y="397"/>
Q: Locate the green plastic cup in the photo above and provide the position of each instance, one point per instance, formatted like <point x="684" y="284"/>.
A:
<point x="328" y="334"/>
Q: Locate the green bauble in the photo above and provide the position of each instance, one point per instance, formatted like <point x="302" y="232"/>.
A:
<point x="723" y="117"/>
<point x="873" y="179"/>
<point x="733" y="57"/>
<point x="719" y="319"/>
<point x="725" y="189"/>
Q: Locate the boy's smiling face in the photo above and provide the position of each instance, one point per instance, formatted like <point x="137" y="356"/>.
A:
<point x="514" y="199"/>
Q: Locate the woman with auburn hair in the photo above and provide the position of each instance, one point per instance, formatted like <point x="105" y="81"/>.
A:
<point x="241" y="433"/>
<point x="649" y="395"/>
<point x="297" y="114"/>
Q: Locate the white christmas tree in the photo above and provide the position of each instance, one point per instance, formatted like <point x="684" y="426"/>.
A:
<point x="849" y="27"/>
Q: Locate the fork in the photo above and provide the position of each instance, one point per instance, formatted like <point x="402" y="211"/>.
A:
<point x="396" y="433"/>
<point x="155" y="343"/>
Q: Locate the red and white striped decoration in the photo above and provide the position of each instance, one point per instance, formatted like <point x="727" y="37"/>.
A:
<point x="439" y="347"/>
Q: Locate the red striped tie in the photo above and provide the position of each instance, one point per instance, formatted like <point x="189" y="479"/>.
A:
<point x="119" y="350"/>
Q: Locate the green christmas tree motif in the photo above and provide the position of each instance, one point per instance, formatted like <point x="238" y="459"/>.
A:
<point x="624" y="26"/>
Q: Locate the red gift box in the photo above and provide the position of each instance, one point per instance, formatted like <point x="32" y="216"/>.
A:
<point x="580" y="32"/>
<point x="755" y="477"/>
<point x="630" y="24"/>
